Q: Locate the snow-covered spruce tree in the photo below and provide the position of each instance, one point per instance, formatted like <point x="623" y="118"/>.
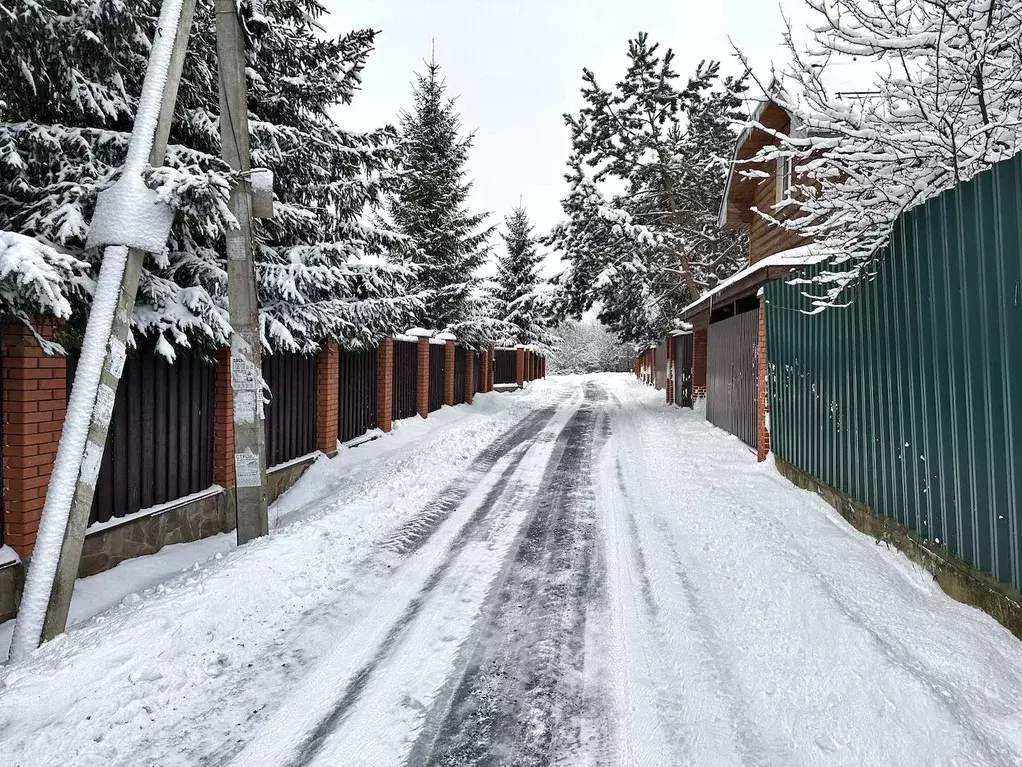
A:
<point x="643" y="253"/>
<point x="943" y="102"/>
<point x="429" y="206"/>
<point x="517" y="292"/>
<point x="322" y="266"/>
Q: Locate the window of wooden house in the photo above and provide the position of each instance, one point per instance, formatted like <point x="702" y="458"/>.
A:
<point x="783" y="181"/>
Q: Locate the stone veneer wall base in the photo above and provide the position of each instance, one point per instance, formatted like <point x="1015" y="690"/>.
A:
<point x="206" y="516"/>
<point x="954" y="575"/>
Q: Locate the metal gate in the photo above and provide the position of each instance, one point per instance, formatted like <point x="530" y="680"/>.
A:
<point x="660" y="367"/>
<point x="459" y="375"/>
<point x="356" y="389"/>
<point x="437" y="372"/>
<point x="406" y="377"/>
<point x="683" y="370"/>
<point x="731" y="367"/>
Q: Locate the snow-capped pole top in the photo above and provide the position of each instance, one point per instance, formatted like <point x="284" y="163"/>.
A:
<point x="446" y="336"/>
<point x="684" y="328"/>
<point x="419" y="333"/>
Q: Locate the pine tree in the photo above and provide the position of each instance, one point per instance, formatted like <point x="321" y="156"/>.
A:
<point x="643" y="253"/>
<point x="517" y="293"/>
<point x="429" y="207"/>
<point x="322" y="266"/>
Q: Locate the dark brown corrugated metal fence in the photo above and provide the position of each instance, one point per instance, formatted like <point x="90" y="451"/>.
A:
<point x="437" y="371"/>
<point x="504" y="366"/>
<point x="160" y="444"/>
<point x="406" y="375"/>
<point x="291" y="413"/>
<point x="731" y="366"/>
<point x="356" y="389"/>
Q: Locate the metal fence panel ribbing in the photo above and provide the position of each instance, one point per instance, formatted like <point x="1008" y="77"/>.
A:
<point x="290" y="415"/>
<point x="504" y="370"/>
<point x="160" y="443"/>
<point x="437" y="372"/>
<point x="908" y="399"/>
<point x="460" y="372"/>
<point x="406" y="375"/>
<point x="731" y="367"/>
<point x="356" y="391"/>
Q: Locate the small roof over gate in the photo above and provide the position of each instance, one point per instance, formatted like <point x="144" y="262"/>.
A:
<point x="749" y="280"/>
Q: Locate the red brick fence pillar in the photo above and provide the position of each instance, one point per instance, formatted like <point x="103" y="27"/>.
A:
<point x="385" y="384"/>
<point x="422" y="382"/>
<point x="699" y="364"/>
<point x="327" y="395"/>
<point x="762" y="395"/>
<point x="669" y="383"/>
<point x="470" y="375"/>
<point x="449" y="372"/>
<point x="520" y="366"/>
<point x="34" y="406"/>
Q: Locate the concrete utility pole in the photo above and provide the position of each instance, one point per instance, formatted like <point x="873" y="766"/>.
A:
<point x="246" y="345"/>
<point x="56" y="580"/>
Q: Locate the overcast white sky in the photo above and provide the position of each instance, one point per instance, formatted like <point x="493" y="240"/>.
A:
<point x="516" y="66"/>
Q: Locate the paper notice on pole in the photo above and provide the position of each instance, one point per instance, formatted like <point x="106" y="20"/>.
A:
<point x="236" y="248"/>
<point x="244" y="375"/>
<point x="118" y="353"/>
<point x="104" y="409"/>
<point x="246" y="469"/>
<point x="247" y="406"/>
<point x="91" y="463"/>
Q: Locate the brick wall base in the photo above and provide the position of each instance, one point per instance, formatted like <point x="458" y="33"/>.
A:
<point x="328" y="373"/>
<point x="385" y="384"/>
<point x="959" y="579"/>
<point x="762" y="393"/>
<point x="422" y="382"/>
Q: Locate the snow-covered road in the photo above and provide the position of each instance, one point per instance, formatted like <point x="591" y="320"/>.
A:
<point x="574" y="574"/>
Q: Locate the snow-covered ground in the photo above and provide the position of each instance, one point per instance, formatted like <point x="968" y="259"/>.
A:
<point x="570" y="574"/>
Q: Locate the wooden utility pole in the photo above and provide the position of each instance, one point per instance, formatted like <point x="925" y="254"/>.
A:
<point x="58" y="583"/>
<point x="246" y="344"/>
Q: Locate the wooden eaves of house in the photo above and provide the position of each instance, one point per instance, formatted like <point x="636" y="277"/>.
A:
<point x="729" y="331"/>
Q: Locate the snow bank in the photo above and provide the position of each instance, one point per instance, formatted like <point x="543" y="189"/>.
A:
<point x="182" y="669"/>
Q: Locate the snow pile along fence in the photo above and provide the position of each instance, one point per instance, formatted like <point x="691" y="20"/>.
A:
<point x="168" y="472"/>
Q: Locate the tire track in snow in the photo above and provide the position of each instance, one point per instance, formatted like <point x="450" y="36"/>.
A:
<point x="431" y="549"/>
<point x="681" y="597"/>
<point x="517" y="696"/>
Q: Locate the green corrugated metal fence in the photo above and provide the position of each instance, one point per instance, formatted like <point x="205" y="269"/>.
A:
<point x="910" y="399"/>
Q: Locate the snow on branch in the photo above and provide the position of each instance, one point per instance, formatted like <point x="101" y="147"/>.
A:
<point x="35" y="278"/>
<point x="943" y="103"/>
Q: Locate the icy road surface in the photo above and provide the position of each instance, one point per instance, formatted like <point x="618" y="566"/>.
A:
<point x="574" y="574"/>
